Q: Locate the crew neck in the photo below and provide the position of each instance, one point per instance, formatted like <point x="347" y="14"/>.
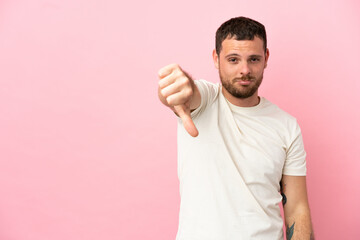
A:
<point x="239" y="109"/>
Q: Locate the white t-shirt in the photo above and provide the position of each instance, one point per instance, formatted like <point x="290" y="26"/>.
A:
<point x="229" y="175"/>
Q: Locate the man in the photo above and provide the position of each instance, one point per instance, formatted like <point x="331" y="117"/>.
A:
<point x="234" y="147"/>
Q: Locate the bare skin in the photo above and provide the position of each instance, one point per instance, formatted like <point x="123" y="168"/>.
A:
<point x="241" y="65"/>
<point x="238" y="60"/>
<point x="178" y="91"/>
<point x="296" y="208"/>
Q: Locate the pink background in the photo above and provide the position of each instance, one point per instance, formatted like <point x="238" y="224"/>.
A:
<point x="88" y="152"/>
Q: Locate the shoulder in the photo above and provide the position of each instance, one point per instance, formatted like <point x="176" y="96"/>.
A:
<point x="208" y="95"/>
<point x="274" y="111"/>
<point x="285" y="124"/>
<point x="206" y="85"/>
<point x="209" y="91"/>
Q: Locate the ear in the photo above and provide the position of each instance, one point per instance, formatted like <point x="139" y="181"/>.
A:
<point x="267" y="54"/>
<point x="216" y="59"/>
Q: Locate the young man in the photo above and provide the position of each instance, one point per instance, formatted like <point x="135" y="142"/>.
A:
<point x="239" y="155"/>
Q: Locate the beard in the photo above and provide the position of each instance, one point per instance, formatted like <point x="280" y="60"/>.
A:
<point x="241" y="91"/>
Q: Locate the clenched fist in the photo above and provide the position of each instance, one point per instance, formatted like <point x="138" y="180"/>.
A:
<point x="178" y="91"/>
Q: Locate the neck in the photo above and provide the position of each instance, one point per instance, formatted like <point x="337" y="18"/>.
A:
<point x="242" y="102"/>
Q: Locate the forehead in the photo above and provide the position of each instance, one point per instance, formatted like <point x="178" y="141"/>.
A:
<point x="231" y="45"/>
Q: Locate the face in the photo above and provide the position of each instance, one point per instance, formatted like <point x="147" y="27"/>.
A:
<point x="241" y="66"/>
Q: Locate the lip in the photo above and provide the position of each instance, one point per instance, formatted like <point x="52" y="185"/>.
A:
<point x="243" y="82"/>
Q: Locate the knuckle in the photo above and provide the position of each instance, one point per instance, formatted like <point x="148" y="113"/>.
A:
<point x="184" y="80"/>
<point x="177" y="74"/>
<point x="179" y="69"/>
<point x="174" y="66"/>
<point x="189" y="92"/>
<point x="168" y="100"/>
<point x="163" y="93"/>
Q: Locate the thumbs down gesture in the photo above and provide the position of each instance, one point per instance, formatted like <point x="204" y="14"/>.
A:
<point x="178" y="91"/>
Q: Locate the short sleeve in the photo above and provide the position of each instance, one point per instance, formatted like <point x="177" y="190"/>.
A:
<point x="295" y="163"/>
<point x="208" y="92"/>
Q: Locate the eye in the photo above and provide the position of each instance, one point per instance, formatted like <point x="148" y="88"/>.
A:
<point x="254" y="59"/>
<point x="232" y="60"/>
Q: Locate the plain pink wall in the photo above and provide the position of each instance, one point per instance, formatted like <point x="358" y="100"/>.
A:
<point x="88" y="152"/>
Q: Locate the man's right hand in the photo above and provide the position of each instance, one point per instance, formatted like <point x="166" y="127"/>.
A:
<point x="178" y="91"/>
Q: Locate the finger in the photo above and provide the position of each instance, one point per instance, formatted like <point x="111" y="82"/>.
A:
<point x="184" y="114"/>
<point x="163" y="72"/>
<point x="171" y="90"/>
<point x="179" y="98"/>
<point x="166" y="81"/>
<point x="175" y="76"/>
<point x="177" y="86"/>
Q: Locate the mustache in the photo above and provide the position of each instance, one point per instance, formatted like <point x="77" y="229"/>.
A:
<point x="244" y="78"/>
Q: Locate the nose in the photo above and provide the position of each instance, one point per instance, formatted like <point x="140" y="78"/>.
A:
<point x="244" y="69"/>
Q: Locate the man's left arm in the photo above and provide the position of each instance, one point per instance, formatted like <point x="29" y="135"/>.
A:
<point x="296" y="208"/>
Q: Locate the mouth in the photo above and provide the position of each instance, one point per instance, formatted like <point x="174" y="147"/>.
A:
<point x="243" y="82"/>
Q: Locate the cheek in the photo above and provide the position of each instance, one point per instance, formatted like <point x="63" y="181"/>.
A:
<point x="228" y="69"/>
<point x="258" y="70"/>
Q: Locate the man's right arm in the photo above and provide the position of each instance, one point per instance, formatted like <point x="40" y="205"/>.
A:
<point x="178" y="91"/>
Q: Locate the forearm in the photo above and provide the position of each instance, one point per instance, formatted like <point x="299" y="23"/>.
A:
<point x="296" y="208"/>
<point x="299" y="227"/>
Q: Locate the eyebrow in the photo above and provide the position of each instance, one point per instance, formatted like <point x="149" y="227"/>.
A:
<point x="237" y="55"/>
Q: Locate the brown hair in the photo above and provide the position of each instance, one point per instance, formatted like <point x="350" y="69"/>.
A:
<point x="241" y="28"/>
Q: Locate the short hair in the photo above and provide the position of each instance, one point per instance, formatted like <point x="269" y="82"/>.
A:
<point x="242" y="28"/>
